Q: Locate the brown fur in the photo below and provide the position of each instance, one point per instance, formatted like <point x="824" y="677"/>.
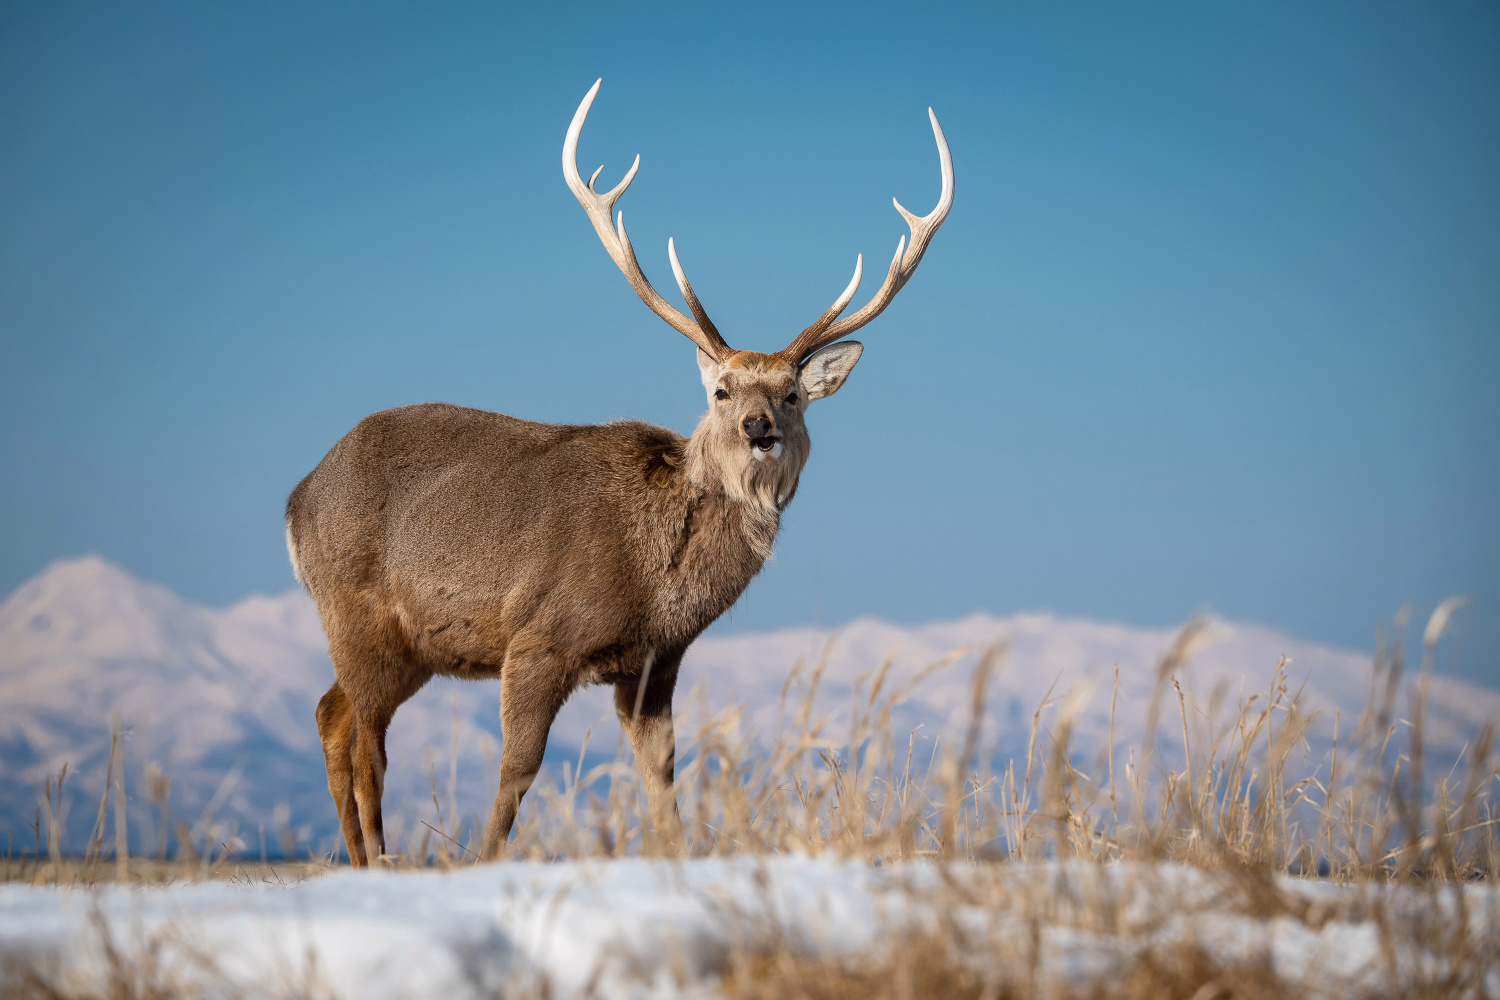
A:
<point x="442" y="540"/>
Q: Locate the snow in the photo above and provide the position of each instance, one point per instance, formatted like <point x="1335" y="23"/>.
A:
<point x="656" y="928"/>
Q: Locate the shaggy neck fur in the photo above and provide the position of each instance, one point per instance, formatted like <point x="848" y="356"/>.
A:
<point x="758" y="490"/>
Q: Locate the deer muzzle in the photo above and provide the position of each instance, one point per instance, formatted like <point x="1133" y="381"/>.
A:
<point x="764" y="442"/>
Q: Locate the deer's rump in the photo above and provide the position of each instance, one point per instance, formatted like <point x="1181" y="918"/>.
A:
<point x="454" y="534"/>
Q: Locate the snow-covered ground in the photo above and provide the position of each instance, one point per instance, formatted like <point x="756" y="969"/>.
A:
<point x="654" y="928"/>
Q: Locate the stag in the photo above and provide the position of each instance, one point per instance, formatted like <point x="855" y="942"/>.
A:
<point x="437" y="539"/>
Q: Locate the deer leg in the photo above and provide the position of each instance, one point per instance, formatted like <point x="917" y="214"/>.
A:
<point x="368" y="762"/>
<point x="372" y="708"/>
<point x="645" y="710"/>
<point x="336" y="729"/>
<point x="531" y="692"/>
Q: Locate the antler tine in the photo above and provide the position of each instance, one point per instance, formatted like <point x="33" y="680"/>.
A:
<point x="841" y="303"/>
<point x="903" y="266"/>
<point x="611" y="232"/>
<point x="687" y="293"/>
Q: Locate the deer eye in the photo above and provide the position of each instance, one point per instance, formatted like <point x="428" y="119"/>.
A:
<point x="791" y="399"/>
<point x="721" y="394"/>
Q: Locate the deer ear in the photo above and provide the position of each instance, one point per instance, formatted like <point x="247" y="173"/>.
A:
<point x="708" y="371"/>
<point x="823" y="373"/>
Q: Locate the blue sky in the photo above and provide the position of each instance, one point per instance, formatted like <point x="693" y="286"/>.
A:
<point x="1214" y="323"/>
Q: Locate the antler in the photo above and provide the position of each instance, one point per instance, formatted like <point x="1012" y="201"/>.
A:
<point x="599" y="206"/>
<point x="903" y="266"/>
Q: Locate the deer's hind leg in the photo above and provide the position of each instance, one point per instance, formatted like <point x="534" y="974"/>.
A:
<point x="532" y="689"/>
<point x="336" y="729"/>
<point x="374" y="681"/>
<point x="372" y="711"/>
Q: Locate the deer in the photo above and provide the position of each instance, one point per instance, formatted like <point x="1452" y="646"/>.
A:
<point x="442" y="540"/>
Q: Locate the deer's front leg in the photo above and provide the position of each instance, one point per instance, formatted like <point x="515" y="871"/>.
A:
<point x="645" y="710"/>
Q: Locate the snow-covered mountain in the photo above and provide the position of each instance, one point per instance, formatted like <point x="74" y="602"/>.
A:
<point x="221" y="700"/>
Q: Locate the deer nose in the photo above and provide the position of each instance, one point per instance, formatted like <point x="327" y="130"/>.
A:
<point x="756" y="427"/>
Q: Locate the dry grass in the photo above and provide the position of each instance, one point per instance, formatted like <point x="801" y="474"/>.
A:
<point x="85" y="872"/>
<point x="1237" y="802"/>
<point x="1236" y="810"/>
<point x="928" y="967"/>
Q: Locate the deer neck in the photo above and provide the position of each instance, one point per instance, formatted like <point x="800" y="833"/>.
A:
<point x="707" y="533"/>
<point x="753" y="493"/>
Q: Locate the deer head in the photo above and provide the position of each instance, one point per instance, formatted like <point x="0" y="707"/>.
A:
<point x="753" y="439"/>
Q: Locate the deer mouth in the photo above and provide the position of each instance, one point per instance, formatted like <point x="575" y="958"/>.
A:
<point x="764" y="448"/>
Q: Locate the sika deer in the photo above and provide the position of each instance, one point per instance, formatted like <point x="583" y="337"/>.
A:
<point x="442" y="540"/>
